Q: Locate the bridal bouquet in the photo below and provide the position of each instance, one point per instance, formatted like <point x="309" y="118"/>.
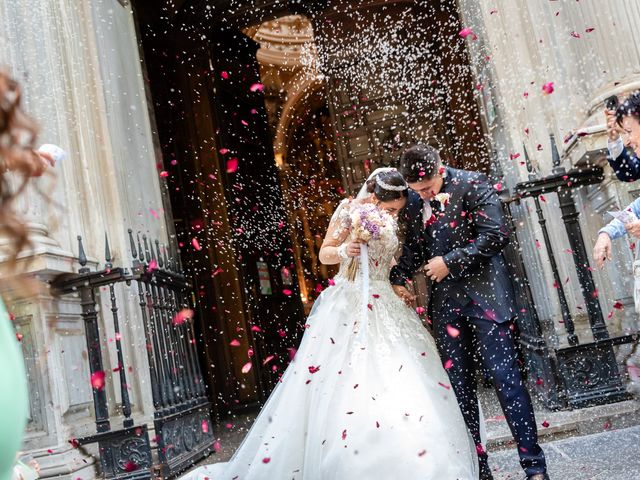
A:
<point x="367" y="223"/>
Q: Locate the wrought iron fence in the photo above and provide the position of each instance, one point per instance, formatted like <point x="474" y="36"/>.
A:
<point x="182" y="412"/>
<point x="578" y="374"/>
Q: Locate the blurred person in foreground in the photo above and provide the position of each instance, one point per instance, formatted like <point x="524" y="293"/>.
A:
<point x="18" y="163"/>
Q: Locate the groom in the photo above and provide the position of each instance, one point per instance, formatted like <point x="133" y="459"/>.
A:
<point x="456" y="227"/>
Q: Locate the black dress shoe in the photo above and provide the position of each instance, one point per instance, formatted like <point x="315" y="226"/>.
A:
<point x="537" y="476"/>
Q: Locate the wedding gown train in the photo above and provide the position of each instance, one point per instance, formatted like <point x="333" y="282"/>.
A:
<point x="375" y="406"/>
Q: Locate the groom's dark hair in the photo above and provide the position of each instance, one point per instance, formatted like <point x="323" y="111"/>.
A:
<point x="419" y="162"/>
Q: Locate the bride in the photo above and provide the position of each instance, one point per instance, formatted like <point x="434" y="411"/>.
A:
<point x="366" y="396"/>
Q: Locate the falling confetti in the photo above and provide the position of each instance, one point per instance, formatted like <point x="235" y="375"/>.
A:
<point x="548" y="88"/>
<point x="98" y="380"/>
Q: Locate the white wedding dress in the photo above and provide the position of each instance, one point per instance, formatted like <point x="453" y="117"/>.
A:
<point x="377" y="406"/>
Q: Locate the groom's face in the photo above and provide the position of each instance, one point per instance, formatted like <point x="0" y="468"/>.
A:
<point x="427" y="188"/>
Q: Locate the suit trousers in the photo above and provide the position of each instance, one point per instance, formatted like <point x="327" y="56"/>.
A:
<point x="497" y="352"/>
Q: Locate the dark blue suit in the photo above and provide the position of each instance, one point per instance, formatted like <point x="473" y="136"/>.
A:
<point x="476" y="298"/>
<point x="626" y="166"/>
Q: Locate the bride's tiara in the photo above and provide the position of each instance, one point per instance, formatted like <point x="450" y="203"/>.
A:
<point x="386" y="186"/>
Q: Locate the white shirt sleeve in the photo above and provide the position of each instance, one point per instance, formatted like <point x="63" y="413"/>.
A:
<point x="615" y="148"/>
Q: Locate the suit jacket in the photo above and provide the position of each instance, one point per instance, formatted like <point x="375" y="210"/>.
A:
<point x="470" y="237"/>
<point x="626" y="166"/>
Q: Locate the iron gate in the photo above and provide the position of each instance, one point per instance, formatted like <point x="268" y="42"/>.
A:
<point x="182" y="412"/>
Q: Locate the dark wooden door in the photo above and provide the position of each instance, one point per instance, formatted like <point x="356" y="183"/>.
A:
<point x="254" y="198"/>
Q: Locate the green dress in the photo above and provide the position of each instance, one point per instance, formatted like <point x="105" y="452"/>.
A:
<point x="14" y="402"/>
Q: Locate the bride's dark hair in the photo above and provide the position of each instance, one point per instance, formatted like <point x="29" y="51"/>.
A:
<point x="393" y="178"/>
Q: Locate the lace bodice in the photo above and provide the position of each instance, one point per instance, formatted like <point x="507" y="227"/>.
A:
<point x="381" y="247"/>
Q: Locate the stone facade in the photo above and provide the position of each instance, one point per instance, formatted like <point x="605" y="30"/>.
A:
<point x="82" y="80"/>
<point x="521" y="46"/>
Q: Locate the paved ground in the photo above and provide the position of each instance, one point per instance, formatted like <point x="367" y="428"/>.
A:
<point x="611" y="455"/>
<point x="595" y="443"/>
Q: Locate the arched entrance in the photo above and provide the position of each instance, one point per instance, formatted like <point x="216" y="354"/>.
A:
<point x="312" y="181"/>
<point x="257" y="156"/>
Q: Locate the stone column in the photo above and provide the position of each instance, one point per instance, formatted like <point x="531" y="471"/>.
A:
<point x="80" y="71"/>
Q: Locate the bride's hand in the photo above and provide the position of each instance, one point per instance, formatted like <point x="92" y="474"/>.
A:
<point x="353" y="249"/>
<point x="404" y="294"/>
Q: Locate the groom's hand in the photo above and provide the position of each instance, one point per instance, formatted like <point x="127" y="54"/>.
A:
<point x="404" y="294"/>
<point x="436" y="269"/>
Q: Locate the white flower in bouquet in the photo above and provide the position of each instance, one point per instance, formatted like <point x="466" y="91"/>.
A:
<point x="367" y="223"/>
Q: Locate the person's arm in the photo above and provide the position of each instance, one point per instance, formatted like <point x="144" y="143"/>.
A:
<point x="486" y="212"/>
<point x="334" y="248"/>
<point x="412" y="257"/>
<point x="615" y="228"/>
<point x="625" y="166"/>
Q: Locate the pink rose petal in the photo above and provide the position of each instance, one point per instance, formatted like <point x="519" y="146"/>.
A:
<point x="182" y="316"/>
<point x="452" y="331"/>
<point x="153" y="265"/>
<point x="232" y="165"/>
<point x="97" y="380"/>
<point x="465" y="32"/>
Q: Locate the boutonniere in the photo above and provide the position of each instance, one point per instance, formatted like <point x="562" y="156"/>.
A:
<point x="443" y="200"/>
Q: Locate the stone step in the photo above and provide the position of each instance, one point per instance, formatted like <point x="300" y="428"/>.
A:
<point x="562" y="424"/>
